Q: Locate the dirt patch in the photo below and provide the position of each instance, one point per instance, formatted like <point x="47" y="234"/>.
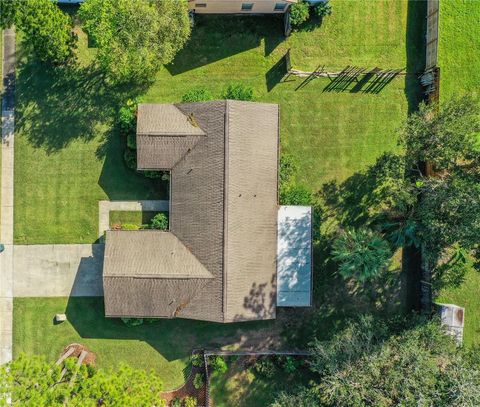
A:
<point x="90" y="359"/>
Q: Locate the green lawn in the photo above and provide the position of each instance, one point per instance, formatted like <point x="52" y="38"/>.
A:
<point x="138" y="218"/>
<point x="459" y="47"/>
<point x="164" y="345"/>
<point x="459" y="61"/>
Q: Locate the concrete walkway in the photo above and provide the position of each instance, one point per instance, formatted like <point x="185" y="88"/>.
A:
<point x="58" y="270"/>
<point x="104" y="208"/>
<point x="6" y="201"/>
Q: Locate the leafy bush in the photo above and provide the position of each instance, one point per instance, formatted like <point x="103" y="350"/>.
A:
<point x="159" y="221"/>
<point x="127" y="117"/>
<point x="218" y="364"/>
<point x="198" y="381"/>
<point x="190" y="401"/>
<point x="361" y="254"/>
<point x="289" y="364"/>
<point x="295" y="195"/>
<point x="176" y="402"/>
<point x="132" y="321"/>
<point x="132" y="141"/>
<point x="196" y="359"/>
<point x="265" y="367"/>
<point x="299" y="13"/>
<point x="238" y="91"/>
<point x="323" y="9"/>
<point x="130" y="157"/>
<point x="197" y="95"/>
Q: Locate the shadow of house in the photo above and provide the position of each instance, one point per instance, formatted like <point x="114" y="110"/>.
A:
<point x="88" y="279"/>
<point x="217" y="37"/>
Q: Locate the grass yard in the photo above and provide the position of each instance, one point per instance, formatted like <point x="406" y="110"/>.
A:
<point x="164" y="346"/>
<point x="459" y="47"/>
<point x="138" y="218"/>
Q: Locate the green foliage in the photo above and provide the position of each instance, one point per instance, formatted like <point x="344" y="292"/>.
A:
<point x="361" y="253"/>
<point x="132" y="141"/>
<point x="31" y="381"/>
<point x="190" y="401"/>
<point x="289" y="364"/>
<point x="132" y="322"/>
<point x="265" y="367"/>
<point x="176" y="402"/>
<point x="218" y="364"/>
<point x="127" y="117"/>
<point x="8" y="13"/>
<point x="130" y="158"/>
<point x="288" y="168"/>
<point x="198" y="381"/>
<point x="238" y="91"/>
<point x="130" y="226"/>
<point x="452" y="272"/>
<point x="135" y="38"/>
<point x="196" y="359"/>
<point x="164" y="176"/>
<point x="299" y="13"/>
<point x="295" y="195"/>
<point x="47" y="31"/>
<point x="159" y="221"/>
<point x="197" y="95"/>
<point x="323" y="9"/>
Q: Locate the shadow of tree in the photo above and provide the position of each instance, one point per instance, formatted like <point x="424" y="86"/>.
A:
<point x="216" y="37"/>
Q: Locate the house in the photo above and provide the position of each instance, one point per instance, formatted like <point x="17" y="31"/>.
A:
<point x="218" y="260"/>
<point x="239" y="7"/>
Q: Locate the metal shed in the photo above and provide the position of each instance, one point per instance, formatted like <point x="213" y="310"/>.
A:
<point x="294" y="256"/>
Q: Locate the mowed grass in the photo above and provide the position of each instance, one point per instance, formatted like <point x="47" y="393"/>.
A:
<point x="459" y="61"/>
<point x="164" y="346"/>
<point x="459" y="47"/>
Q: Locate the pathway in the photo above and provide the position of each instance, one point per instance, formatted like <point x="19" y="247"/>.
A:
<point x="6" y="201"/>
<point x="104" y="208"/>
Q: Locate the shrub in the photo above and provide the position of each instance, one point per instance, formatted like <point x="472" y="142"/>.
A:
<point x="132" y="321"/>
<point x="265" y="367"/>
<point x="130" y="226"/>
<point x="323" y="9"/>
<point x="159" y="221"/>
<point x="295" y="195"/>
<point x="132" y="141"/>
<point x="190" y="401"/>
<point x="218" y="364"/>
<point x="127" y="117"/>
<point x="238" y="91"/>
<point x="176" y="402"/>
<point x="289" y="364"/>
<point x="299" y="13"/>
<point x="197" y="95"/>
<point x="130" y="157"/>
<point x="154" y="174"/>
<point x="288" y="167"/>
<point x="196" y="359"/>
<point x="198" y="381"/>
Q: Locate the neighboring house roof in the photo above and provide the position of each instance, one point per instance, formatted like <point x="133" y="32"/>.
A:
<point x="294" y="260"/>
<point x="223" y="209"/>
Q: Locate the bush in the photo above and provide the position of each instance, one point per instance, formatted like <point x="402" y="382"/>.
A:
<point x="196" y="359"/>
<point x="218" y="364"/>
<point x="288" y="167"/>
<point x="130" y="157"/>
<point x="299" y="13"/>
<point x="190" y="401"/>
<point x="265" y="367"/>
<point x="132" y="141"/>
<point x="156" y="174"/>
<point x="159" y="221"/>
<point x="295" y="195"/>
<point x="198" y="381"/>
<point x="130" y="226"/>
<point x="197" y="95"/>
<point x="127" y="117"/>
<point x="238" y="91"/>
<point x="289" y="364"/>
<point x="323" y="9"/>
<point x="132" y="321"/>
<point x="176" y="402"/>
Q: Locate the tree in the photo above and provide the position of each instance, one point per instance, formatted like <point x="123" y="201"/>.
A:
<point x="383" y="364"/>
<point x="47" y="31"/>
<point x="299" y="13"/>
<point x="361" y="254"/>
<point x="31" y="381"/>
<point x="135" y="38"/>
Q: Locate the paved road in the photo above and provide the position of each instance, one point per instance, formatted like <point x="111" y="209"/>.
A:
<point x="58" y="270"/>
<point x="6" y="200"/>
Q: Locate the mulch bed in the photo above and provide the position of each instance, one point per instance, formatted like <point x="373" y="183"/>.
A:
<point x="78" y="348"/>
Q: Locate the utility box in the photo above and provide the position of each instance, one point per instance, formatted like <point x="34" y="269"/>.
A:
<point x="452" y="318"/>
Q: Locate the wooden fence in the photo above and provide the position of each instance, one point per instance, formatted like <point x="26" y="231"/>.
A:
<point x="433" y="14"/>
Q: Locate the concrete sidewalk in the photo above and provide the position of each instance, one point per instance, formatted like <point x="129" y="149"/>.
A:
<point x="58" y="270"/>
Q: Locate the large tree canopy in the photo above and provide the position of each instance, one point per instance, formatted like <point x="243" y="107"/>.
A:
<point x="47" y="31"/>
<point x="371" y="364"/>
<point x="31" y="381"/>
<point x="135" y="38"/>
